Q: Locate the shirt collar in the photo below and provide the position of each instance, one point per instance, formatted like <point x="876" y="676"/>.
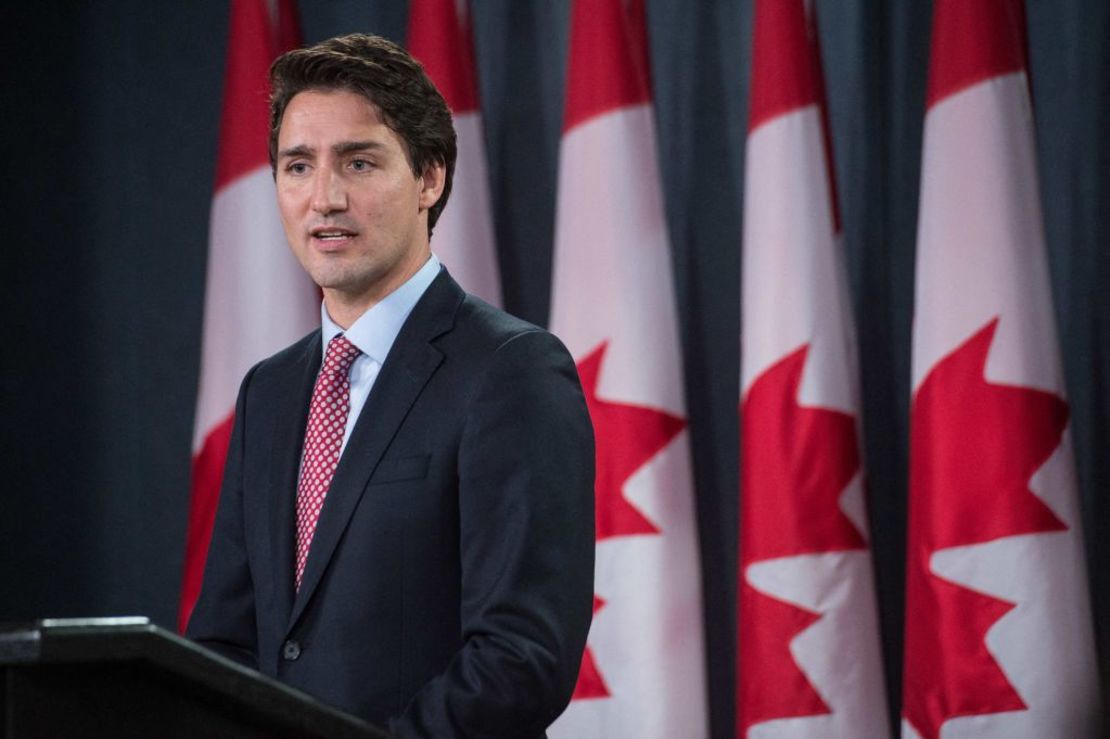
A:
<point x="375" y="330"/>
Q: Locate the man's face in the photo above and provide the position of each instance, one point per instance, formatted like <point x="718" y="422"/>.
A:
<point x="355" y="215"/>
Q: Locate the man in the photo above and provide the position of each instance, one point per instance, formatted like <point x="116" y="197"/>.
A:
<point x="438" y="579"/>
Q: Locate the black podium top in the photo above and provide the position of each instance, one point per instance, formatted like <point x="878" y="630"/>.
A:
<point x="127" y="677"/>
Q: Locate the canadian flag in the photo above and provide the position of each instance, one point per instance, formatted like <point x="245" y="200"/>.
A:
<point x="439" y="36"/>
<point x="257" y="298"/>
<point x="809" y="655"/>
<point x="613" y="303"/>
<point x="998" y="639"/>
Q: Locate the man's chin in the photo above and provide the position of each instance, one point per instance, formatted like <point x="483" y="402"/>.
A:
<point x="342" y="282"/>
<point x="348" y="289"/>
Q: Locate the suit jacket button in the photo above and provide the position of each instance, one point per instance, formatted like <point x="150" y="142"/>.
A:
<point x="291" y="650"/>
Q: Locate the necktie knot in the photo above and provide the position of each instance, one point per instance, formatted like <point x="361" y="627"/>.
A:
<point x="341" y="355"/>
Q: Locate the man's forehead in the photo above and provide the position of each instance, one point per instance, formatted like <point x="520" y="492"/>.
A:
<point x="330" y="112"/>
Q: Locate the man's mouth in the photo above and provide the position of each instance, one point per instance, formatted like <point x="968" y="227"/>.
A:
<point x="332" y="234"/>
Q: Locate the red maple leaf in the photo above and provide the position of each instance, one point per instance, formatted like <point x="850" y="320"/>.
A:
<point x="796" y="463"/>
<point x="975" y="446"/>
<point x="771" y="684"/>
<point x="626" y="438"/>
<point x="590" y="683"/>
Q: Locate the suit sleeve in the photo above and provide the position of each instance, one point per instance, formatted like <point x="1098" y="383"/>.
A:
<point x="224" y="618"/>
<point x="526" y="510"/>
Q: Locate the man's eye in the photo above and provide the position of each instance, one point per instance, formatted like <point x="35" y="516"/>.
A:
<point x="297" y="168"/>
<point x="360" y="165"/>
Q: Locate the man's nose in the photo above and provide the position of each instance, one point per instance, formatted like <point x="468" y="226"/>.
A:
<point x="328" y="194"/>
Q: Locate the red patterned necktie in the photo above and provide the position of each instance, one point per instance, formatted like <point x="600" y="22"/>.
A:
<point x="323" y="439"/>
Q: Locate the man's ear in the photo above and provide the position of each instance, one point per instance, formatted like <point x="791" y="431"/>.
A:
<point x="431" y="187"/>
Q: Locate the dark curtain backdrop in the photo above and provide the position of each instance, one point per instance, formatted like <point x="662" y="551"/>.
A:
<point x="110" y="117"/>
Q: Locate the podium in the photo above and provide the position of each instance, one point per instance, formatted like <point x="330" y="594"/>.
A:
<point x="126" y="677"/>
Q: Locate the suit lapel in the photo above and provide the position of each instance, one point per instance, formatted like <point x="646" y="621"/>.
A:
<point x="292" y="397"/>
<point x="411" y="363"/>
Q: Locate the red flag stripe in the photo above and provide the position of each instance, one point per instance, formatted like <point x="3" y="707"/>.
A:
<point x="441" y="40"/>
<point x="287" y="33"/>
<point x="608" y="59"/>
<point x="972" y="42"/>
<point x="785" y="66"/>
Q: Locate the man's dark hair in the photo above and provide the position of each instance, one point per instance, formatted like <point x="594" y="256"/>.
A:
<point x="387" y="76"/>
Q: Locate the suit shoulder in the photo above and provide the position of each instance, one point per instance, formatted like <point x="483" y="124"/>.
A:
<point x="292" y="354"/>
<point x="481" y="322"/>
<point x="491" y="343"/>
<point x="278" y="365"/>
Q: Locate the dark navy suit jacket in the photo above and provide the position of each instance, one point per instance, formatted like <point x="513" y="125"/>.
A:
<point x="449" y="587"/>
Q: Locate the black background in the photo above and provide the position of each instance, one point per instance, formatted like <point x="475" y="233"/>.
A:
<point x="109" y="127"/>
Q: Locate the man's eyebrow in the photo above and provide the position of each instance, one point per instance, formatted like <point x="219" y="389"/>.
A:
<point x="342" y="148"/>
<point x="348" y="147"/>
<point x="296" y="151"/>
